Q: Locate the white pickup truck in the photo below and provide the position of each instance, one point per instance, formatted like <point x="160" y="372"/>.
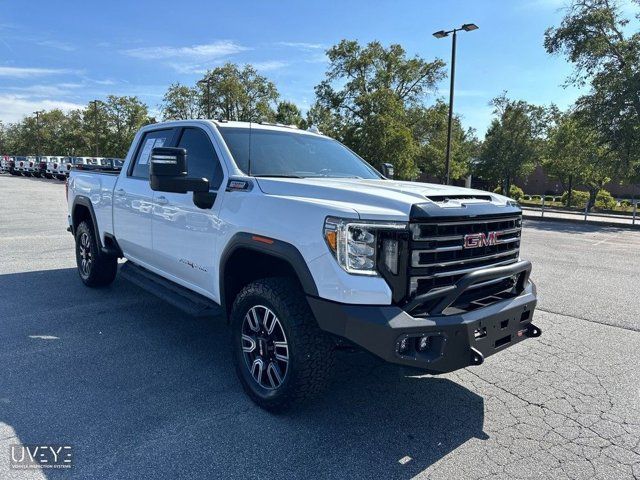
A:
<point x="305" y="247"/>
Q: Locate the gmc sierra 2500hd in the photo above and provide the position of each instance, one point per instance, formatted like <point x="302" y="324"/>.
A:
<point x="304" y="247"/>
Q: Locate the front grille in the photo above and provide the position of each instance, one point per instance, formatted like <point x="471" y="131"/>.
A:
<point x="439" y="256"/>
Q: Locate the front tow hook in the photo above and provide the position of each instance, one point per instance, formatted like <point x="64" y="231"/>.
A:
<point x="530" y="331"/>
<point x="476" y="357"/>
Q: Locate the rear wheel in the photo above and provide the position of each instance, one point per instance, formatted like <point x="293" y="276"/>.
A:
<point x="281" y="356"/>
<point x="96" y="269"/>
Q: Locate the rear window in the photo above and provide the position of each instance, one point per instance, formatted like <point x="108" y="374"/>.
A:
<point x="150" y="140"/>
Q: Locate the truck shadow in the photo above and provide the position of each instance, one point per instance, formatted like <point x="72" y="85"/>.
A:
<point x="133" y="385"/>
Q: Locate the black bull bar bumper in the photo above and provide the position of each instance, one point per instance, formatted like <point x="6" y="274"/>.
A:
<point x="436" y="342"/>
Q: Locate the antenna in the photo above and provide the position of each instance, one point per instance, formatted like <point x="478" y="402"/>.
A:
<point x="250" y="132"/>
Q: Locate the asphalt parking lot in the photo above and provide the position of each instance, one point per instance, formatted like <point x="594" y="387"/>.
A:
<point x="142" y="391"/>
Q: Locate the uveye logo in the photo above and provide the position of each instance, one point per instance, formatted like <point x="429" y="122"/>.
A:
<point x="25" y="457"/>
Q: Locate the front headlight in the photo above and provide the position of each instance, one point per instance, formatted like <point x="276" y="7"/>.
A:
<point x="354" y="243"/>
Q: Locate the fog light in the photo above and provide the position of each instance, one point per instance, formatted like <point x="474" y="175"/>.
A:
<point x="423" y="344"/>
<point x="403" y="346"/>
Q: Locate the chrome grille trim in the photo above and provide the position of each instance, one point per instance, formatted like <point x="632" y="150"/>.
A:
<point x="464" y="261"/>
<point x="415" y="227"/>
<point x="414" y="280"/>
<point x="437" y="261"/>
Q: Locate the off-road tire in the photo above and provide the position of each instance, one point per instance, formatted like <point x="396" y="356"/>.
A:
<point x="102" y="267"/>
<point x="310" y="350"/>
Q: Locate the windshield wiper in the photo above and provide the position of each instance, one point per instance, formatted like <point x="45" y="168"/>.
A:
<point x="279" y="176"/>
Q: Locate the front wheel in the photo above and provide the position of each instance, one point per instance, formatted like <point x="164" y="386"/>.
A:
<point x="281" y="355"/>
<point x="96" y="269"/>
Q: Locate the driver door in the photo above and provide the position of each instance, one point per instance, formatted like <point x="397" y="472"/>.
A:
<point x="184" y="235"/>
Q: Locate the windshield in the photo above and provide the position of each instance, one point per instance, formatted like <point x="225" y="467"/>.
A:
<point x="289" y="154"/>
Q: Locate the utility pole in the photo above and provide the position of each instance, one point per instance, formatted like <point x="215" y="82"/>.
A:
<point x="37" y="114"/>
<point x="95" y="125"/>
<point x="467" y="27"/>
<point x="207" y="82"/>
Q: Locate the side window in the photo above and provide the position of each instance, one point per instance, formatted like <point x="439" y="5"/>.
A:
<point x="150" y="140"/>
<point x="202" y="160"/>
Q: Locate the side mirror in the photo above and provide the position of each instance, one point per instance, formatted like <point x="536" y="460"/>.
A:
<point x="387" y="170"/>
<point x="168" y="172"/>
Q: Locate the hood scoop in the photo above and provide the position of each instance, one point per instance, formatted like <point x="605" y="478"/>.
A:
<point x="459" y="199"/>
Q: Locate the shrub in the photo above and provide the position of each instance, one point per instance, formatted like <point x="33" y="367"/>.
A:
<point x="548" y="198"/>
<point x="605" y="201"/>
<point x="578" y="198"/>
<point x="514" y="192"/>
<point x="526" y="197"/>
<point x="625" y="203"/>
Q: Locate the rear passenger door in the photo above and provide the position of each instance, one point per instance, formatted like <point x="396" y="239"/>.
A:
<point x="133" y="199"/>
<point x="184" y="236"/>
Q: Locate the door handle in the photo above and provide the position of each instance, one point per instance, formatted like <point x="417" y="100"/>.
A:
<point x="120" y="192"/>
<point x="162" y="200"/>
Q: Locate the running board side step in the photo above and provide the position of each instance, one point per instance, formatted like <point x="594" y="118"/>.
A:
<point x="182" y="298"/>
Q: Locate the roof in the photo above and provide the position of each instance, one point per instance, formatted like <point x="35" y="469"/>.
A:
<point x="234" y="124"/>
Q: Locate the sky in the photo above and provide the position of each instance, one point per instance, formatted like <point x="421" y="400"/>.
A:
<point x="63" y="54"/>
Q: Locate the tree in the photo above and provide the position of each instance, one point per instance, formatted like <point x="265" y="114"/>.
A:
<point x="592" y="35"/>
<point x="368" y="92"/>
<point x="238" y="94"/>
<point x="575" y="152"/>
<point x="181" y="103"/>
<point x="430" y="130"/>
<point x="288" y="113"/>
<point x="514" y="142"/>
<point x="125" y="116"/>
<point x="95" y="130"/>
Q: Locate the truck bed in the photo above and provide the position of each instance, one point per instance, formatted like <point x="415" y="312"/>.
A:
<point x="97" y="186"/>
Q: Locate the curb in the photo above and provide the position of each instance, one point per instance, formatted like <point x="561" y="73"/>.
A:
<point x="627" y="226"/>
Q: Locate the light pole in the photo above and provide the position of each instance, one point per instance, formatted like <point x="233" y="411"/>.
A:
<point x="37" y="114"/>
<point x="95" y="124"/>
<point x="467" y="27"/>
<point x="207" y="82"/>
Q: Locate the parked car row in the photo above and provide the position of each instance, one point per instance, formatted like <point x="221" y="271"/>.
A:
<point x="54" y="166"/>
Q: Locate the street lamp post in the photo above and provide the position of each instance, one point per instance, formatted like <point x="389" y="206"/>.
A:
<point x="207" y="82"/>
<point x="95" y="124"/>
<point x="467" y="27"/>
<point x="37" y="114"/>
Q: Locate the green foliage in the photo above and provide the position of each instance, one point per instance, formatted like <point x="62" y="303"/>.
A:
<point x="181" y="103"/>
<point x="514" y="192"/>
<point x="578" y="198"/>
<point x="575" y="149"/>
<point x="514" y="141"/>
<point x="367" y="99"/>
<point x="625" y="204"/>
<point x="288" y="113"/>
<point x="605" y="201"/>
<point x="109" y="125"/>
<point x="595" y="36"/>
<point x="235" y="93"/>
<point x="430" y="129"/>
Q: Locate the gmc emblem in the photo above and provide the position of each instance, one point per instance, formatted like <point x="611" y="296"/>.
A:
<point x="476" y="240"/>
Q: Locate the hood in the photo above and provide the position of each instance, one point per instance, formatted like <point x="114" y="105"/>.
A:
<point x="381" y="199"/>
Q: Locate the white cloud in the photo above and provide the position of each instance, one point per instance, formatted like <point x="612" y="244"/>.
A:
<point x="14" y="108"/>
<point x="26" y="72"/>
<point x="47" y="90"/>
<point x="209" y="51"/>
<point x="270" y="65"/>
<point x="302" y="45"/>
<point x="58" y="45"/>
